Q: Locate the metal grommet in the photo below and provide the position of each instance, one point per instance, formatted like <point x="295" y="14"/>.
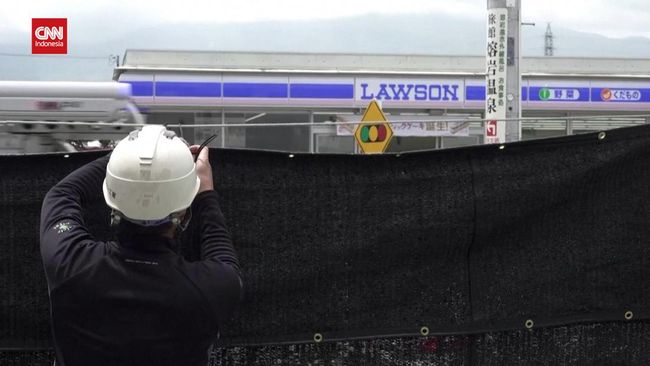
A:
<point x="66" y="156"/>
<point x="629" y="315"/>
<point x="602" y="135"/>
<point x="291" y="155"/>
<point x="529" y="324"/>
<point x="424" y="331"/>
<point x="318" y="337"/>
<point x="501" y="147"/>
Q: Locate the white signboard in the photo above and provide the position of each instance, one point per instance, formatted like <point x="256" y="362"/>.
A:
<point x="412" y="126"/>
<point x="496" y="58"/>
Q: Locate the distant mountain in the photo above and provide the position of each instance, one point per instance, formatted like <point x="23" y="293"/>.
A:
<point x="384" y="34"/>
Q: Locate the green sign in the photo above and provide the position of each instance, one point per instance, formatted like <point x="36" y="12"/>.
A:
<point x="544" y="94"/>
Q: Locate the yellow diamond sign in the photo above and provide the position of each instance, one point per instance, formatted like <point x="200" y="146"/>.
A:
<point x="374" y="136"/>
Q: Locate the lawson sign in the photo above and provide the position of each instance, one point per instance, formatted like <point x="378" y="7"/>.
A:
<point x="410" y="90"/>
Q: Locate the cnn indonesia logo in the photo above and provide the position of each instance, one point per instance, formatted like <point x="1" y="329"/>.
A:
<point x="49" y="35"/>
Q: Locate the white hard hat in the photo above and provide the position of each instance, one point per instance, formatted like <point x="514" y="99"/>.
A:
<point x="150" y="175"/>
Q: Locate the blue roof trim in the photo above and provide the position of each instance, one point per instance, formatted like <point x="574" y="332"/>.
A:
<point x="187" y="89"/>
<point x="477" y="93"/>
<point x="322" y="91"/>
<point x="140" y="88"/>
<point x="255" y="90"/>
<point x="312" y="90"/>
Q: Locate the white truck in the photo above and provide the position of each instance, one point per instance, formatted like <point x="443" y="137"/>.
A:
<point x="44" y="116"/>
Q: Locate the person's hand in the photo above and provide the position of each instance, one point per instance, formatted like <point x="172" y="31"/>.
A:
<point x="203" y="168"/>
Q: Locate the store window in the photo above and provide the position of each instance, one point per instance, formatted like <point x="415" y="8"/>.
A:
<point x="281" y="137"/>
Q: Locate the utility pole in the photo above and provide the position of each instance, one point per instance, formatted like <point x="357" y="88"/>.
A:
<point x="548" y="41"/>
<point x="503" y="75"/>
<point x="114" y="59"/>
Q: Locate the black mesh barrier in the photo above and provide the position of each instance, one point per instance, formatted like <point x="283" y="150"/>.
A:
<point x="522" y="253"/>
<point x="593" y="344"/>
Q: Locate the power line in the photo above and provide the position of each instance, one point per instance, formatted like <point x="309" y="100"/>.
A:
<point x="6" y="54"/>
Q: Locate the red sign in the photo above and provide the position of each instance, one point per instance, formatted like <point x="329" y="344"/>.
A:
<point x="491" y="129"/>
<point x="49" y="36"/>
<point x="605" y="94"/>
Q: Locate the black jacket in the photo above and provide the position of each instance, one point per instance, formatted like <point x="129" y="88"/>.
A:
<point x="133" y="303"/>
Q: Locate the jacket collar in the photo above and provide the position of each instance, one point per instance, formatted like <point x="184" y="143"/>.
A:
<point x="149" y="243"/>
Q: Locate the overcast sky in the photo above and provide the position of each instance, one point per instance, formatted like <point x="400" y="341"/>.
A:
<point x="612" y="18"/>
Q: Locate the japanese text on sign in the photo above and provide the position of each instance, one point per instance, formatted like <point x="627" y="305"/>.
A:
<point x="496" y="51"/>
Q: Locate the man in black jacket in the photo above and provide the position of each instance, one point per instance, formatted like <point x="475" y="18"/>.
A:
<point x="137" y="301"/>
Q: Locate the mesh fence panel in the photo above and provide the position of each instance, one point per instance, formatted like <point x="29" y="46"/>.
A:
<point x="475" y="241"/>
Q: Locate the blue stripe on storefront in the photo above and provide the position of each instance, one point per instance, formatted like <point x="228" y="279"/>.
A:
<point x="346" y="91"/>
<point x="477" y="93"/>
<point x="255" y="90"/>
<point x="140" y="88"/>
<point x="187" y="89"/>
<point x="322" y="91"/>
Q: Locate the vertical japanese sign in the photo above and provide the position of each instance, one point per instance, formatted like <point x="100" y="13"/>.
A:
<point x="495" y="99"/>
